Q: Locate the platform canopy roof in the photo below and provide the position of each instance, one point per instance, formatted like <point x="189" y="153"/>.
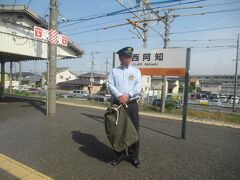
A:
<point x="17" y="41"/>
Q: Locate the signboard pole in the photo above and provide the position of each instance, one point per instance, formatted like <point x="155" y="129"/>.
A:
<point x="184" y="113"/>
<point x="236" y="77"/>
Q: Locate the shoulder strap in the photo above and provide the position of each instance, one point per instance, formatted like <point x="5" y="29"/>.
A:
<point x="117" y="110"/>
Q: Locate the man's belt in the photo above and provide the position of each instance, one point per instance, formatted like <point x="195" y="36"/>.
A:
<point x="132" y="101"/>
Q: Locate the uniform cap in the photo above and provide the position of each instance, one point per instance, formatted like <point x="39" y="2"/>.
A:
<point x="125" y="51"/>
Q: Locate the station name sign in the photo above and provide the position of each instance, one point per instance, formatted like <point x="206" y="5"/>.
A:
<point x="159" y="62"/>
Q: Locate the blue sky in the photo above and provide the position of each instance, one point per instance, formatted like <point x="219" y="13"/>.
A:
<point x="203" y="60"/>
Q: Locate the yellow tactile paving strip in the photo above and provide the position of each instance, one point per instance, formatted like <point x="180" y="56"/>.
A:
<point x="11" y="169"/>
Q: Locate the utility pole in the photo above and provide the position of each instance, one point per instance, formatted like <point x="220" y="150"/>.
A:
<point x="166" y="45"/>
<point x="106" y="65"/>
<point x="145" y="32"/>
<point x="236" y="76"/>
<point x="92" y="64"/>
<point x="145" y="24"/>
<point x="91" y="79"/>
<point x="52" y="62"/>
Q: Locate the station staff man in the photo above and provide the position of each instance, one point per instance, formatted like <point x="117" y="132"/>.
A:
<point x="124" y="83"/>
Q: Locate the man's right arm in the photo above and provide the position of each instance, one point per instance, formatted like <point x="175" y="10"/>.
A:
<point x="111" y="85"/>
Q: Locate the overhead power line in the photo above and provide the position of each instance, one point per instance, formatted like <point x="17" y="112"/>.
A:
<point x="221" y="4"/>
<point x="138" y="18"/>
<point x="209" y="29"/>
<point x="97" y="16"/>
<point x="181" y="32"/>
<point x="161" y="7"/>
<point x="128" y="38"/>
<point x="123" y="11"/>
<point x="208" y="40"/>
<point x="114" y="13"/>
<point x="179" y="15"/>
<point x="104" y="28"/>
<point x="11" y="14"/>
<point x="212" y="49"/>
<point x="93" y="25"/>
<point x="28" y="3"/>
<point x="200" y="47"/>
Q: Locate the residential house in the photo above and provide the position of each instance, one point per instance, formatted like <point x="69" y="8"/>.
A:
<point x="62" y="74"/>
<point x="174" y="86"/>
<point x="28" y="78"/>
<point x="79" y="84"/>
<point x="146" y="86"/>
<point x="98" y="78"/>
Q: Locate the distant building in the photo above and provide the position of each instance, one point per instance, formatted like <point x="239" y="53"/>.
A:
<point x="62" y="75"/>
<point x="146" y="86"/>
<point x="224" y="82"/>
<point x="7" y="81"/>
<point x="211" y="87"/>
<point x="28" y="78"/>
<point x="97" y="78"/>
<point x="174" y="86"/>
<point x="15" y="84"/>
<point x="79" y="84"/>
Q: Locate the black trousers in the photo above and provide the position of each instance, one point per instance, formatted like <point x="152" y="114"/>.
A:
<point x="133" y="113"/>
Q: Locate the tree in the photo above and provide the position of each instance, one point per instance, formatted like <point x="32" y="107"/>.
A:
<point x="192" y="87"/>
<point x="104" y="87"/>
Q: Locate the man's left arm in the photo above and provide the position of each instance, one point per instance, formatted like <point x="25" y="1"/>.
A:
<point x="137" y="87"/>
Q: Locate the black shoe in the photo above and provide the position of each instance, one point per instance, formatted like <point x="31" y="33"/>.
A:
<point x="136" y="163"/>
<point x="118" y="160"/>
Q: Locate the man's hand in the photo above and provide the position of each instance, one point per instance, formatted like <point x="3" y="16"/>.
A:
<point x="123" y="98"/>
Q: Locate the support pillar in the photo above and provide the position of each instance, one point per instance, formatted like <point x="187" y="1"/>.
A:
<point x="2" y="86"/>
